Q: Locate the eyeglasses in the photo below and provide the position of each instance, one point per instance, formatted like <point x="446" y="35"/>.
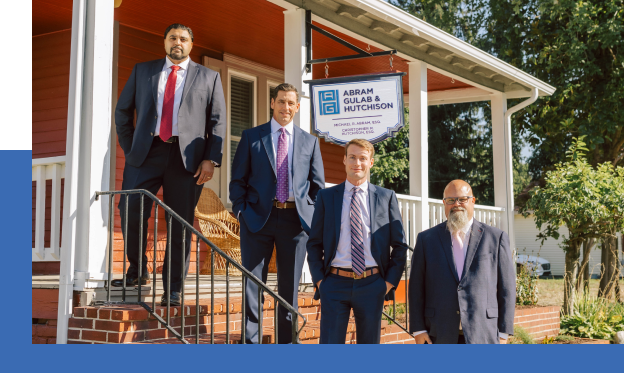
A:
<point x="452" y="200"/>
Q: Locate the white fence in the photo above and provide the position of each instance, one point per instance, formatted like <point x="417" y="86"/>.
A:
<point x="47" y="169"/>
<point x="408" y="206"/>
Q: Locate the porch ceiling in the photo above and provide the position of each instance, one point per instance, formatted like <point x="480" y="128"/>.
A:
<point x="254" y="30"/>
<point x="389" y="26"/>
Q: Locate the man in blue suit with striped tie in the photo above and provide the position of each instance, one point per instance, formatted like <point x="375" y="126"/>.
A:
<point x="353" y="227"/>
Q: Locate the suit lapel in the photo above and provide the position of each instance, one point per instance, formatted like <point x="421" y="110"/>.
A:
<point x="338" y="197"/>
<point x="190" y="78"/>
<point x="297" y="139"/>
<point x="265" y="135"/>
<point x="447" y="247"/>
<point x="155" y="77"/>
<point x="373" y="200"/>
<point x="473" y="243"/>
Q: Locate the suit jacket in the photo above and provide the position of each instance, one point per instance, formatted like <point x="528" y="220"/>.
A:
<point x="485" y="296"/>
<point x="254" y="176"/>
<point x="201" y="117"/>
<point x="386" y="231"/>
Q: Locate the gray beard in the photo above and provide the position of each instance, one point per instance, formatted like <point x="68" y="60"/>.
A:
<point x="457" y="220"/>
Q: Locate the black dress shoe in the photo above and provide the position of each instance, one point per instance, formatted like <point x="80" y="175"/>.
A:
<point x="130" y="281"/>
<point x="174" y="300"/>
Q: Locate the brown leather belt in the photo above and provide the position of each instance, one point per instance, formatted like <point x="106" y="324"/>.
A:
<point x="285" y="205"/>
<point x="351" y="274"/>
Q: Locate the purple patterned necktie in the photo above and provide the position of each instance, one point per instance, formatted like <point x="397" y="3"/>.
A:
<point x="357" y="235"/>
<point x="282" y="167"/>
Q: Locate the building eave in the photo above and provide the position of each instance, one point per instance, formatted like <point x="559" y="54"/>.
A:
<point x="390" y="27"/>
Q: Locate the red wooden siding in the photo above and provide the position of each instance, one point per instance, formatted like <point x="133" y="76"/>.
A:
<point x="50" y="88"/>
<point x="333" y="156"/>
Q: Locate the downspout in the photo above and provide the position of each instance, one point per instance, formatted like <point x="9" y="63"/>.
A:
<point x="68" y="246"/>
<point x="520" y="106"/>
<point x="509" y="163"/>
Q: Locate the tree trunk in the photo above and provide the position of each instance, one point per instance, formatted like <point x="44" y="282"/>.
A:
<point x="571" y="275"/>
<point x="608" y="275"/>
<point x="618" y="271"/>
<point x="583" y="280"/>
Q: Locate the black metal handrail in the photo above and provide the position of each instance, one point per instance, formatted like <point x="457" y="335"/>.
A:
<point x="170" y="214"/>
<point x="393" y="317"/>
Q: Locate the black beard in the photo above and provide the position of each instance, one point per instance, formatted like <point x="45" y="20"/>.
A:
<point x="171" y="55"/>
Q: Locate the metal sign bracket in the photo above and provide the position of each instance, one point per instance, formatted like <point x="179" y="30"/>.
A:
<point x="308" y="43"/>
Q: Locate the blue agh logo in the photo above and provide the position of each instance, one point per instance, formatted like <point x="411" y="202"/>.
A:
<point x="328" y="101"/>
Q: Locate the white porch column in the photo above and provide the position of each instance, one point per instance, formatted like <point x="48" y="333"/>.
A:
<point x="294" y="63"/>
<point x="88" y="154"/>
<point x="418" y="138"/>
<point x="503" y="164"/>
<point x="295" y="74"/>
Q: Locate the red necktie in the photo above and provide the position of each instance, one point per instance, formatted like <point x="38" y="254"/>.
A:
<point x="167" y="108"/>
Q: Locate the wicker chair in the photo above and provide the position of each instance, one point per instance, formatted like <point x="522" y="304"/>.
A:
<point x="223" y="230"/>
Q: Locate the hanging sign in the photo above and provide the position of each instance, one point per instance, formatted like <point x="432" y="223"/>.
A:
<point x="366" y="107"/>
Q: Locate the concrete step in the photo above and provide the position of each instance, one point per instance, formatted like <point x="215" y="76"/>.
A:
<point x="190" y="289"/>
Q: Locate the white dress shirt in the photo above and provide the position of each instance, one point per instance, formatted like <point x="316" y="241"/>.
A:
<point x="343" y="251"/>
<point x="179" y="88"/>
<point x="275" y="135"/>
<point x="465" y="240"/>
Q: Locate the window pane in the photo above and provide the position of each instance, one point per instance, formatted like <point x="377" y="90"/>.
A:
<point x="271" y="96"/>
<point x="233" y="146"/>
<point x="241" y="106"/>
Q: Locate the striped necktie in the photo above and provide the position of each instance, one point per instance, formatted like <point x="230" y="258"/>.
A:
<point x="357" y="235"/>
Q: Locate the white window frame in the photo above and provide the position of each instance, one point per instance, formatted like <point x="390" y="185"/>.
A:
<point x="270" y="84"/>
<point x="251" y="78"/>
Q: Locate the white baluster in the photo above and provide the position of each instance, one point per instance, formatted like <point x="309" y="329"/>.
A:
<point x="55" y="211"/>
<point x="413" y="233"/>
<point x="40" y="212"/>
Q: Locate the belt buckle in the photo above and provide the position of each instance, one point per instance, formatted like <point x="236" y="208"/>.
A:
<point x="277" y="205"/>
<point x="359" y="277"/>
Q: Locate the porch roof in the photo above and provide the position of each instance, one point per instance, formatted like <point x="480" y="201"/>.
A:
<point x="387" y="26"/>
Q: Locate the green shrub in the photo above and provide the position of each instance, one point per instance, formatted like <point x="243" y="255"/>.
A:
<point x="400" y="313"/>
<point x="526" y="287"/>
<point x="521" y="336"/>
<point x="593" y="317"/>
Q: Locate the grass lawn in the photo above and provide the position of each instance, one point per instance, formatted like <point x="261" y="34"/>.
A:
<point x="551" y="291"/>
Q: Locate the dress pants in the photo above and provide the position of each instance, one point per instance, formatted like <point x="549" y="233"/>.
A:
<point x="341" y="294"/>
<point x="284" y="232"/>
<point x="163" y="166"/>
<point x="460" y="340"/>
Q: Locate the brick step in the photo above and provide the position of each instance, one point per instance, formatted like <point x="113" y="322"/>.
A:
<point x="132" y="323"/>
<point x="309" y="335"/>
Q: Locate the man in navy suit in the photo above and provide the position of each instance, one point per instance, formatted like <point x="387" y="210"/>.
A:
<point x="462" y="286"/>
<point x="354" y="225"/>
<point x="277" y="173"/>
<point x="176" y="143"/>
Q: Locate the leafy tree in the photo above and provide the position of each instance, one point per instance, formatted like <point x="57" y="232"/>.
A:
<point x="578" y="47"/>
<point x="460" y="135"/>
<point x="581" y="198"/>
<point x="392" y="161"/>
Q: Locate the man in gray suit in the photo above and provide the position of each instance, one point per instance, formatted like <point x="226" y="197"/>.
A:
<point x="176" y="143"/>
<point x="462" y="286"/>
<point x="276" y="174"/>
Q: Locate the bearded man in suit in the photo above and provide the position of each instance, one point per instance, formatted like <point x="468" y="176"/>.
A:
<point x="462" y="286"/>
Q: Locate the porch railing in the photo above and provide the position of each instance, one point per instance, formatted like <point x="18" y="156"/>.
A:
<point x="44" y="169"/>
<point x="170" y="216"/>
